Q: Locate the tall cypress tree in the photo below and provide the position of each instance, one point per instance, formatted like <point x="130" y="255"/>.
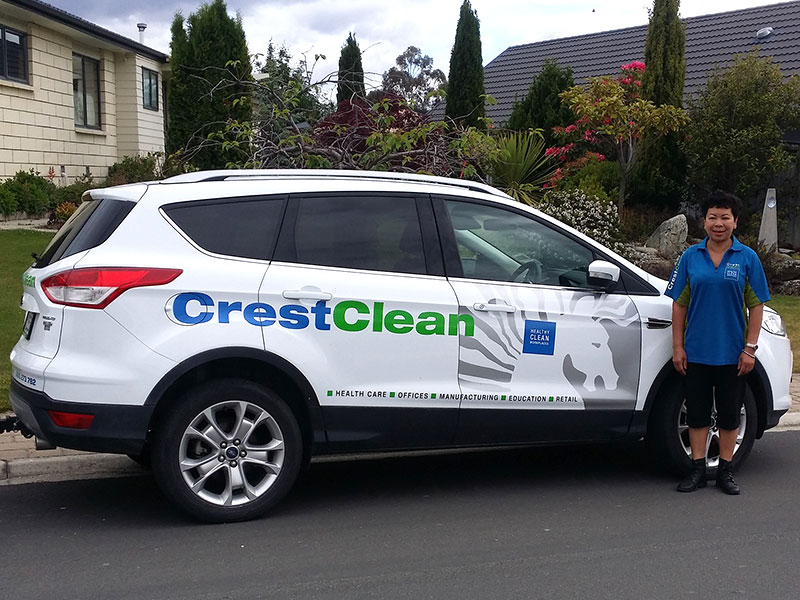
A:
<point x="351" y="72"/>
<point x="664" y="55"/>
<point x="661" y="172"/>
<point x="208" y="48"/>
<point x="465" y="91"/>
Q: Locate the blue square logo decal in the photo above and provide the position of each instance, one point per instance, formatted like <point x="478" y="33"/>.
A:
<point x="540" y="337"/>
<point x="732" y="271"/>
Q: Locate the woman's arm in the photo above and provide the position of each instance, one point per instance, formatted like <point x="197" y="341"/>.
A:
<point x="747" y="358"/>
<point x="678" y="325"/>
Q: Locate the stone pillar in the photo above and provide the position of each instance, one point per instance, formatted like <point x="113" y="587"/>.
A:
<point x="768" y="233"/>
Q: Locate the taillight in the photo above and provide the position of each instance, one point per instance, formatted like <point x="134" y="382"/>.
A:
<point x="71" y="420"/>
<point x="97" y="287"/>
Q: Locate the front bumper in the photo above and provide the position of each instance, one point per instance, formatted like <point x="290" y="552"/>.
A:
<point x="115" y="428"/>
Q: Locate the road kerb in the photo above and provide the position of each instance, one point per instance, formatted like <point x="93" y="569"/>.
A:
<point x="62" y="468"/>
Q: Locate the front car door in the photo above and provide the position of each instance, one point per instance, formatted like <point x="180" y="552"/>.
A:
<point x="551" y="358"/>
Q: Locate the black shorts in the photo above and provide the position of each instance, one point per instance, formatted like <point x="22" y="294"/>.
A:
<point x="706" y="384"/>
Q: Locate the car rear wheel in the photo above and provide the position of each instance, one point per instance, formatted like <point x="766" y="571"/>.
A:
<point x="668" y="432"/>
<point x="228" y="451"/>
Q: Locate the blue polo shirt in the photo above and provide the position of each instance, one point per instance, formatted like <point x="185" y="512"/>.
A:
<point x="717" y="297"/>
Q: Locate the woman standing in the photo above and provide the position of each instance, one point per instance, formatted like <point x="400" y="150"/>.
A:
<point x="714" y="285"/>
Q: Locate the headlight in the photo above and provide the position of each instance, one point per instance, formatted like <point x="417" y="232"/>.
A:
<point x="773" y="322"/>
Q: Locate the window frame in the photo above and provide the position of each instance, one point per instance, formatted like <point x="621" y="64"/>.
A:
<point x="154" y="106"/>
<point x="96" y="62"/>
<point x="23" y="39"/>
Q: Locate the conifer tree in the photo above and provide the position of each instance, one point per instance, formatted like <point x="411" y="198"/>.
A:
<point x="542" y="107"/>
<point x="351" y="72"/>
<point x="664" y="55"/>
<point x="661" y="174"/>
<point x="208" y="48"/>
<point x="465" y="91"/>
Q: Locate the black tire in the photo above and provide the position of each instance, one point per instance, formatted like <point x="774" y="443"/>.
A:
<point x="232" y="482"/>
<point x="667" y="436"/>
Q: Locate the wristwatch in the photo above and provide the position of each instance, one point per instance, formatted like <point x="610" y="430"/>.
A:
<point x="753" y="346"/>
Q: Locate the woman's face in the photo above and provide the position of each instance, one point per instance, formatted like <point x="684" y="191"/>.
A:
<point x="719" y="224"/>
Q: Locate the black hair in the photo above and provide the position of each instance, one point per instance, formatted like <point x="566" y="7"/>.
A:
<point x="720" y="199"/>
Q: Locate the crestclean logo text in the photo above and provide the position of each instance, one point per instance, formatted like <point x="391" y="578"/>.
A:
<point x="194" y="308"/>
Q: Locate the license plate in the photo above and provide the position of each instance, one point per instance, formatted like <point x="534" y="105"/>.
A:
<point x="27" y="327"/>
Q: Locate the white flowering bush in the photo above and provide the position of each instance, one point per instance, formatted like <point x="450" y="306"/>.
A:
<point x="598" y="218"/>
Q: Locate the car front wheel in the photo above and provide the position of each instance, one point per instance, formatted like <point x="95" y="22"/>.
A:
<point x="229" y="450"/>
<point x="668" y="432"/>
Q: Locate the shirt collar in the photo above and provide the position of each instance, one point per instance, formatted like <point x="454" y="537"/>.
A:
<point x="737" y="246"/>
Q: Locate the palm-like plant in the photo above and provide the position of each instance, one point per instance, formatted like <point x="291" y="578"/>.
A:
<point x="522" y="169"/>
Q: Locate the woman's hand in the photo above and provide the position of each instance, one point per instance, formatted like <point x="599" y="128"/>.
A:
<point x="746" y="363"/>
<point x="679" y="360"/>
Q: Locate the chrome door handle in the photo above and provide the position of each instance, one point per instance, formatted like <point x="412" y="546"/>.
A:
<point x="486" y="307"/>
<point x="306" y="295"/>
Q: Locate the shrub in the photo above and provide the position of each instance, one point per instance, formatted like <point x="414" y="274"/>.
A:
<point x="8" y="204"/>
<point x="33" y="194"/>
<point x="64" y="211"/>
<point x="132" y="169"/>
<point x="595" y="178"/>
<point x="587" y="213"/>
<point x="73" y="192"/>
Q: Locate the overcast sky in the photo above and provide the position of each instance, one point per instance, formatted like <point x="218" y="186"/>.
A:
<point x="384" y="29"/>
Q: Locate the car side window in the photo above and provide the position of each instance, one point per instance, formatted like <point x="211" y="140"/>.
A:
<point x="502" y="245"/>
<point x="378" y="233"/>
<point x="241" y="227"/>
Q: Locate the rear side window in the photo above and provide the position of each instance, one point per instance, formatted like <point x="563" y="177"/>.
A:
<point x="377" y="233"/>
<point x="246" y="228"/>
<point x="88" y="227"/>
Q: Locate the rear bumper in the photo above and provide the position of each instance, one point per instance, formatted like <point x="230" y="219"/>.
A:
<point x="115" y="428"/>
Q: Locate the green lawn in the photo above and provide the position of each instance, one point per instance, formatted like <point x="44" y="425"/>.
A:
<point x="15" y="256"/>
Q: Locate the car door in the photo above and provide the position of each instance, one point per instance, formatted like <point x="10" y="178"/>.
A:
<point x="364" y="311"/>
<point x="550" y="358"/>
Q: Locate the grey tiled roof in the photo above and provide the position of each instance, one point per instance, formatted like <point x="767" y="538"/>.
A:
<point x="711" y="40"/>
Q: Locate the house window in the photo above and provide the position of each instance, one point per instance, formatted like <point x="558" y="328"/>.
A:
<point x="149" y="89"/>
<point x="86" y="91"/>
<point x="13" y="55"/>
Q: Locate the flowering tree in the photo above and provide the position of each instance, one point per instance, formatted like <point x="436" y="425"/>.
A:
<point x="612" y="114"/>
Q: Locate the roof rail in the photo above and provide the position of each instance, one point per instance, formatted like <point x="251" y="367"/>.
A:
<point x="239" y="174"/>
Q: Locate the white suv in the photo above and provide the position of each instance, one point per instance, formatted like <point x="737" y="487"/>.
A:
<point x="229" y="325"/>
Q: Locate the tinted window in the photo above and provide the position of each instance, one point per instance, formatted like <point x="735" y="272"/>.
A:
<point x="376" y="233"/>
<point x="246" y="228"/>
<point x="89" y="226"/>
<point x="502" y="245"/>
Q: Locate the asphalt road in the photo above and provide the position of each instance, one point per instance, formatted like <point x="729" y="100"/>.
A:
<point x="588" y="522"/>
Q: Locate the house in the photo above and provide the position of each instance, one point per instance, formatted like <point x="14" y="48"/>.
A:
<point x="711" y="41"/>
<point x="74" y="98"/>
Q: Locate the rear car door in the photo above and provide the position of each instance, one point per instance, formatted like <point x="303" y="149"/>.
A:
<point x="551" y="358"/>
<point x="363" y="309"/>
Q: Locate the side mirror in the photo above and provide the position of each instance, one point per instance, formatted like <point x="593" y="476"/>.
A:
<point x="602" y="275"/>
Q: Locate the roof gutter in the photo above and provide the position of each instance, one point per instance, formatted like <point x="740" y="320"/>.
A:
<point x="84" y="26"/>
